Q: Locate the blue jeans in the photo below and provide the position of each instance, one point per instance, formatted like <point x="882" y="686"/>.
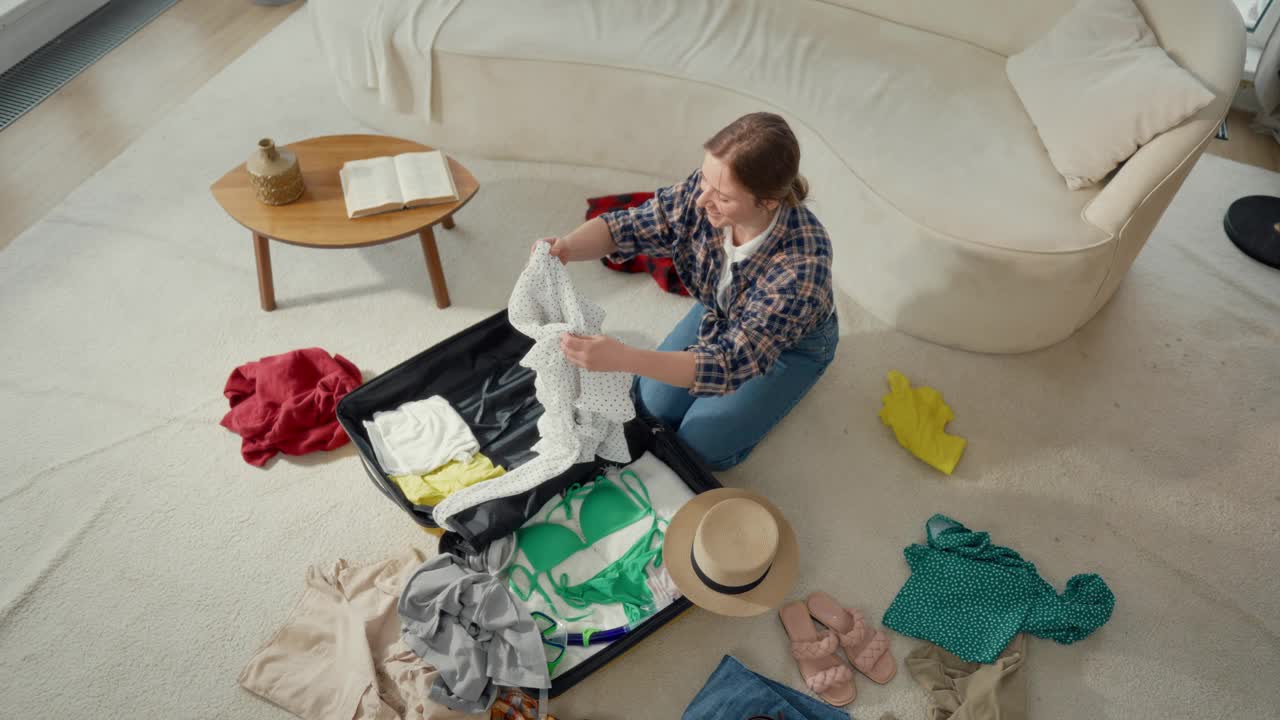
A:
<point x="723" y="430"/>
<point x="735" y="693"/>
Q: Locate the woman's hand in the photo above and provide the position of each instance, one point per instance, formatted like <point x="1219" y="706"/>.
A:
<point x="559" y="249"/>
<point x="600" y="353"/>
<point x="591" y="241"/>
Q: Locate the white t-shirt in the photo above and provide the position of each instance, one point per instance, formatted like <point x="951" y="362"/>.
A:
<point x="739" y="253"/>
<point x="420" y="436"/>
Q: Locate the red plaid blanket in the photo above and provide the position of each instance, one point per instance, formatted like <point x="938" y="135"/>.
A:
<point x="662" y="269"/>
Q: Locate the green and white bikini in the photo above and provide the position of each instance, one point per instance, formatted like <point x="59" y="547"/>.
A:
<point x="607" y="507"/>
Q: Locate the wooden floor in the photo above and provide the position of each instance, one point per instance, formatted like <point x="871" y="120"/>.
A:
<point x="60" y="143"/>
<point x="1245" y="146"/>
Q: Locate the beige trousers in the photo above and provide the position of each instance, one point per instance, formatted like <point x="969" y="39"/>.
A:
<point x="960" y="690"/>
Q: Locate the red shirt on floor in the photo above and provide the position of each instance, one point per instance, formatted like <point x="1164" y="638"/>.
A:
<point x="287" y="403"/>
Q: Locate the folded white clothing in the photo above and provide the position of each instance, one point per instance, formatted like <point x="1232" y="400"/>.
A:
<point x="420" y="436"/>
<point x="584" y="411"/>
<point x="667" y="491"/>
<point x="663" y="587"/>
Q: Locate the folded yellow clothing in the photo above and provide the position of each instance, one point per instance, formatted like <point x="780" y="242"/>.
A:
<point x="918" y="416"/>
<point x="447" y="479"/>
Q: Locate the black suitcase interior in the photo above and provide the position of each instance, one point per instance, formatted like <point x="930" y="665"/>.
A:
<point x="478" y="371"/>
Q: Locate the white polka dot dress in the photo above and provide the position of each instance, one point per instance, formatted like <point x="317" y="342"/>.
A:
<point x="584" y="410"/>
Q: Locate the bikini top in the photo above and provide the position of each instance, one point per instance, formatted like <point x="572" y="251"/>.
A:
<point x="606" y="509"/>
<point x="608" y="506"/>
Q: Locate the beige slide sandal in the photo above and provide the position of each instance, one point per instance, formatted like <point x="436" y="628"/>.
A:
<point x="815" y="652"/>
<point x="868" y="651"/>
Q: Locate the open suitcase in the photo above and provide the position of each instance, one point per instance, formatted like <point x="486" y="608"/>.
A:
<point x="478" y="372"/>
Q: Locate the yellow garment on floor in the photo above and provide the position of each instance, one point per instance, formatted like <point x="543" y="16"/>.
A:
<point x="918" y="416"/>
<point x="447" y="479"/>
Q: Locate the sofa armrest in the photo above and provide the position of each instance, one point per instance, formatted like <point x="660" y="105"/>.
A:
<point x="1147" y="170"/>
<point x="1207" y="38"/>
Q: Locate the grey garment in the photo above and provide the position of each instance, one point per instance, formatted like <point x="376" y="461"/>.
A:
<point x="495" y="558"/>
<point x="440" y="695"/>
<point x="473" y="631"/>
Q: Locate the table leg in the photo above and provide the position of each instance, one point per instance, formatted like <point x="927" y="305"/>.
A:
<point x="433" y="267"/>
<point x="266" y="292"/>
<point x="447" y="223"/>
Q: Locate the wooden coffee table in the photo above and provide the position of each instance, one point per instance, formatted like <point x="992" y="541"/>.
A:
<point x="319" y="218"/>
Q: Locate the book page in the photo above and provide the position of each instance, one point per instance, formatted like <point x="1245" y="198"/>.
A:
<point x="370" y="186"/>
<point x="425" y="178"/>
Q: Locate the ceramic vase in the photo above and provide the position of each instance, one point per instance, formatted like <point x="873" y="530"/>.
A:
<point x="275" y="174"/>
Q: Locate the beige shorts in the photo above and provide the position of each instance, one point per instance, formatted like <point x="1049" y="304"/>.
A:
<point x="339" y="654"/>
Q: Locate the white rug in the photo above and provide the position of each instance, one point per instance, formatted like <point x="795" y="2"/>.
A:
<point x="144" y="562"/>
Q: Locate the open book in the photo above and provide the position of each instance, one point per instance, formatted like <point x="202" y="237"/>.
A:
<point x="409" y="180"/>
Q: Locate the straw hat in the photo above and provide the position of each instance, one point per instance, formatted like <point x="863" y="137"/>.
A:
<point x="731" y="552"/>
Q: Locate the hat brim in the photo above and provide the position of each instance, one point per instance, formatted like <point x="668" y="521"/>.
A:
<point x="678" y="544"/>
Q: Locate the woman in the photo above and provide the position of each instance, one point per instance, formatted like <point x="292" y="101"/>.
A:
<point x="758" y="262"/>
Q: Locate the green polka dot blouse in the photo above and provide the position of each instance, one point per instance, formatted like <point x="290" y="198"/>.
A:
<point x="971" y="597"/>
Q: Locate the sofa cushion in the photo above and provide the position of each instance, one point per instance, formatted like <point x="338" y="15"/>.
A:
<point x="928" y="123"/>
<point x="1099" y="86"/>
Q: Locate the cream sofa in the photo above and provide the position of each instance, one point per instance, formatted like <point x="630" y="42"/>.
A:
<point x="947" y="218"/>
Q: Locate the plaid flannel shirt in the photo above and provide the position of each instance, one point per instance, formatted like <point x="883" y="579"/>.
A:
<point x="777" y="296"/>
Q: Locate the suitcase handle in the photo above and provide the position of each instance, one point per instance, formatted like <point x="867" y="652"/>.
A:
<point x="380" y="482"/>
<point x="376" y="477"/>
